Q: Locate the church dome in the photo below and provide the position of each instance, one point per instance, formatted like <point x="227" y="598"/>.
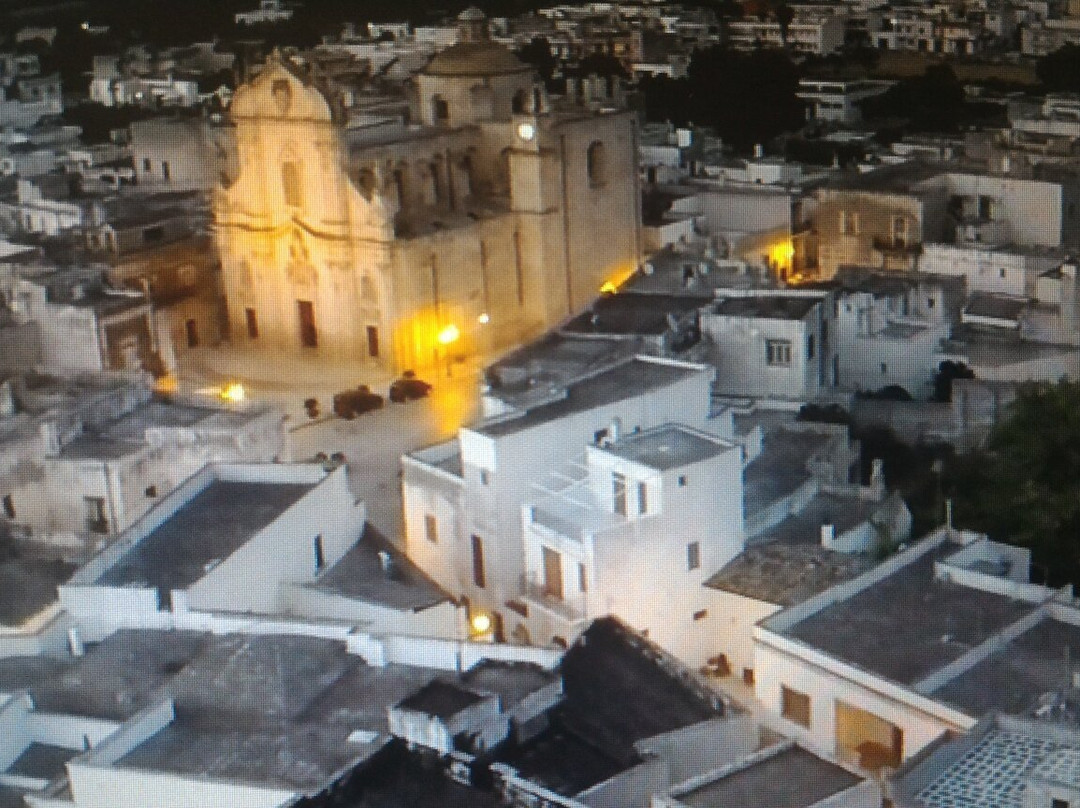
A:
<point x="474" y="54"/>
<point x="475" y="59"/>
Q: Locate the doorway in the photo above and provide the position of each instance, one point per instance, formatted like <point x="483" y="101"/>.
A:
<point x="868" y="739"/>
<point x="373" y="341"/>
<point x="191" y="329"/>
<point x="309" y="336"/>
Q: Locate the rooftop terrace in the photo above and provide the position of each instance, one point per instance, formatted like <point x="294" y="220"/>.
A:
<point x="1015" y="677"/>
<point x="909" y="624"/>
<point x="360" y="574"/>
<point x="627" y="380"/>
<point x="667" y="447"/>
<point x="993" y="772"/>
<point x="211" y="526"/>
<point x="790" y="778"/>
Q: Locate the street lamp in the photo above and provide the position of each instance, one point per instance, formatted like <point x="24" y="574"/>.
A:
<point x="449" y="334"/>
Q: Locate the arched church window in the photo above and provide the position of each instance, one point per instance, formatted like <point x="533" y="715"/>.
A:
<point x="365" y="182"/>
<point x="290" y="183"/>
<point x="596" y="163"/>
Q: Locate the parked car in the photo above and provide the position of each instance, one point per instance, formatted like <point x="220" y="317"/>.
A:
<point x="356" y="402"/>
<point x="408" y="388"/>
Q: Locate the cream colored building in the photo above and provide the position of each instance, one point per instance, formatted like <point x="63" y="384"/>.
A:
<point x="490" y="217"/>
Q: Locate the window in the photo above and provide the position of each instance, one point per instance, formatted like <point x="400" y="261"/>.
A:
<point x="431" y="528"/>
<point x="884" y="368"/>
<point x="1001" y="272"/>
<point x="693" y="555"/>
<point x="95" y="515"/>
<point x="309" y="335"/>
<point x="320" y="556"/>
<point x="682" y="481"/>
<point x="151" y="491"/>
<point x="582" y="578"/>
<point x="810" y="346"/>
<point x="252" y="321"/>
<point x="165" y="173"/>
<point x="9" y="506"/>
<point x="596" y="163"/>
<point x="517" y="103"/>
<point x="436" y="183"/>
<point x="900" y="231"/>
<point x="1059" y="803"/>
<point x="553" y="583"/>
<point x="478" y="562"/>
<point x="701" y="614"/>
<point x="778" y="352"/>
<point x="849" y="223"/>
<point x="619" y="493"/>
<point x="441" y="109"/>
<point x="930" y="302"/>
<point x="290" y="183"/>
<point x="643" y="498"/>
<point x="147" y="165"/>
<point x="795" y="706"/>
<point x="485" y="477"/>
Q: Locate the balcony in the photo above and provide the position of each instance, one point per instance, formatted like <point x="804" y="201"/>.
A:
<point x="897" y="246"/>
<point x="536" y="595"/>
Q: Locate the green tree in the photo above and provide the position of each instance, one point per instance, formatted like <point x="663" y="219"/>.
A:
<point x="1024" y="486"/>
<point x="932" y="102"/>
<point x="538" y="54"/>
<point x="1060" y="71"/>
<point x="747" y="97"/>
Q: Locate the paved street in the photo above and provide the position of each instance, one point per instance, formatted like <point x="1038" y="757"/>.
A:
<point x="372" y="443"/>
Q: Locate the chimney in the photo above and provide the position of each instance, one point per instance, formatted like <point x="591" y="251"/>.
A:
<point x="614" y="428"/>
<point x="75" y="642"/>
<point x="877" y="476"/>
<point x="759" y="151"/>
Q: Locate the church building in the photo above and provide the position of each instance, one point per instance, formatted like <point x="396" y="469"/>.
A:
<point x="493" y="214"/>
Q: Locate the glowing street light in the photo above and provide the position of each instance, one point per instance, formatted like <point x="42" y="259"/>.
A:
<point x="449" y="334"/>
<point x="608" y="288"/>
<point x="233" y="392"/>
<point x="480" y="623"/>
<point x="483" y="319"/>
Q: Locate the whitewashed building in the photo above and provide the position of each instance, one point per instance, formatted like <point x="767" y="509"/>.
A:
<point x="634" y="530"/>
<point x="463" y="498"/>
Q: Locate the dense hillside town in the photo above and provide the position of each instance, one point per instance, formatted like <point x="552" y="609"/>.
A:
<point x="603" y="405"/>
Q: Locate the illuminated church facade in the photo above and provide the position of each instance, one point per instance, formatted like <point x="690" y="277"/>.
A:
<point x="488" y="219"/>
